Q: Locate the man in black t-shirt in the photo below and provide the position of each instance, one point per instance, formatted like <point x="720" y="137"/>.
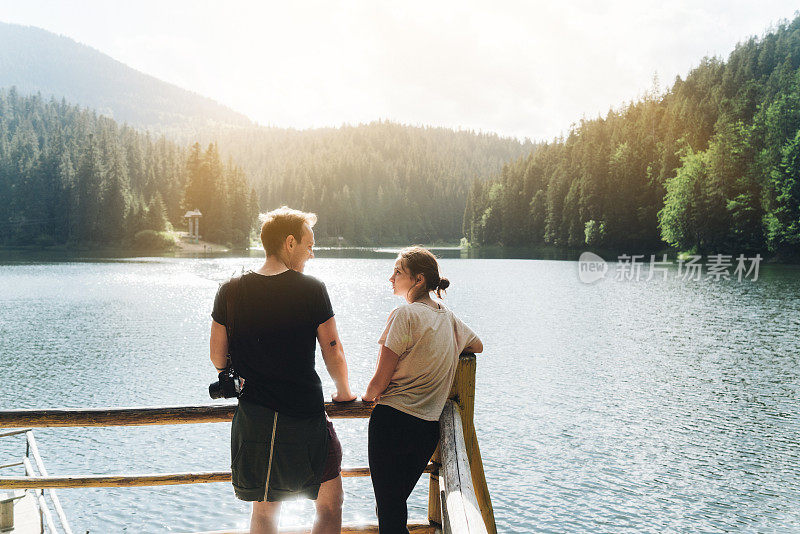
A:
<point x="282" y="444"/>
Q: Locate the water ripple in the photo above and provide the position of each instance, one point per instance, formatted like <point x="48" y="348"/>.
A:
<point x="664" y="406"/>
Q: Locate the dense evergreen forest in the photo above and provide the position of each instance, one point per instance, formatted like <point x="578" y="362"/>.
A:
<point x="69" y="176"/>
<point x="377" y="183"/>
<point x="712" y="166"/>
<point x="72" y="176"/>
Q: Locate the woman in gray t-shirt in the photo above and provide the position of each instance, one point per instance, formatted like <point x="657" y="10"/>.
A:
<point x="418" y="357"/>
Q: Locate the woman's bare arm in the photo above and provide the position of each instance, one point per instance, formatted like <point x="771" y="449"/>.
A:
<point x="475" y="347"/>
<point x="387" y="363"/>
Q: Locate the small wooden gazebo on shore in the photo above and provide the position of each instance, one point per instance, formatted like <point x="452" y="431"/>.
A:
<point x="193" y="218"/>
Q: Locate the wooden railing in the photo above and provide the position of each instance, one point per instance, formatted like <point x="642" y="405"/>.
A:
<point x="462" y="505"/>
<point x="164" y="415"/>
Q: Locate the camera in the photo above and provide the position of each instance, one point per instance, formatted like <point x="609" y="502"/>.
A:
<point x="228" y="386"/>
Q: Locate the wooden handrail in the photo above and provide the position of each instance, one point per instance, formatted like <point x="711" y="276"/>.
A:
<point x="461" y="511"/>
<point x="113" y="481"/>
<point x="454" y="497"/>
<point x="162" y="415"/>
<point x="161" y="479"/>
<point x="172" y="415"/>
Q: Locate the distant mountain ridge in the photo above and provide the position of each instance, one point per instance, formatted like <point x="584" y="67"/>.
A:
<point x="35" y="60"/>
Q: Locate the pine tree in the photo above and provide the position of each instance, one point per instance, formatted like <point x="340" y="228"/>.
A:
<point x="156" y="218"/>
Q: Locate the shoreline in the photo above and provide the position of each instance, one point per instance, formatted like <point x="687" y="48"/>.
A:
<point x="201" y="249"/>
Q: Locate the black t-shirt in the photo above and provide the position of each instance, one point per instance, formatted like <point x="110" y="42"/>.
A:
<point x="275" y="338"/>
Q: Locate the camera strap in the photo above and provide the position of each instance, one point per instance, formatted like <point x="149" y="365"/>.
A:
<point x="231" y="297"/>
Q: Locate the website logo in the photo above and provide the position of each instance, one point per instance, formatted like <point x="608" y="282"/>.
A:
<point x="591" y="267"/>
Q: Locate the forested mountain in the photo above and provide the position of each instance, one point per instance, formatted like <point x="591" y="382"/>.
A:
<point x="34" y="60"/>
<point x="68" y="175"/>
<point x="377" y="183"/>
<point x="712" y="165"/>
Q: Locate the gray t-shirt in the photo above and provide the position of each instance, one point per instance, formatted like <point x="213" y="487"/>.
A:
<point x="428" y="342"/>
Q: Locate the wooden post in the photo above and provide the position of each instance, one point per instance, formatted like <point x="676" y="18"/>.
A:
<point x="434" y="501"/>
<point x="460" y="506"/>
<point x="463" y="393"/>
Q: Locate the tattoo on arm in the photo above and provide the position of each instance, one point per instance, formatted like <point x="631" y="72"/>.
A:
<point x="333" y="343"/>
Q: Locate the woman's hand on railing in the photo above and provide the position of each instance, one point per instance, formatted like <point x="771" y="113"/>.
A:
<point x="348" y="396"/>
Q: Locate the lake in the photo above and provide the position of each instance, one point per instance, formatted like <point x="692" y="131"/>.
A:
<point x="618" y="406"/>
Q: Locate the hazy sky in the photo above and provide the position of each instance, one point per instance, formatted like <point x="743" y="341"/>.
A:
<point x="527" y="69"/>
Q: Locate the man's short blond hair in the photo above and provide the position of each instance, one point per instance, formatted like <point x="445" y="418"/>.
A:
<point x="278" y="224"/>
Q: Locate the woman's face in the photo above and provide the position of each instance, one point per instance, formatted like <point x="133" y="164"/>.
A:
<point x="401" y="280"/>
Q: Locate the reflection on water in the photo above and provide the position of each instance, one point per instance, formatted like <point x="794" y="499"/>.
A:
<point x="614" y="407"/>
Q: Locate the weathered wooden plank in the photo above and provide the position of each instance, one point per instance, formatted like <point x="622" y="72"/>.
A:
<point x="364" y="471"/>
<point x="113" y="481"/>
<point x="162" y="479"/>
<point x="479" y="480"/>
<point x="463" y="515"/>
<point x="161" y="415"/>
<point x="135" y="416"/>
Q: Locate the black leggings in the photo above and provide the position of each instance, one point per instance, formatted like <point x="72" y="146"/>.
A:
<point x="400" y="446"/>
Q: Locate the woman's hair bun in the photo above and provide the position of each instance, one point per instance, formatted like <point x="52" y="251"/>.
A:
<point x="444" y="283"/>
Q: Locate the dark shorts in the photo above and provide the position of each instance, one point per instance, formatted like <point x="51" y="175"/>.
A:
<point x="333" y="461"/>
<point x="276" y="457"/>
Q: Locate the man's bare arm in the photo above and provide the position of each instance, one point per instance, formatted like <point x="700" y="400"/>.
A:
<point x="333" y="355"/>
<point x="219" y="345"/>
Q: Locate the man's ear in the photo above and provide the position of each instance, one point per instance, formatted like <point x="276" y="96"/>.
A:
<point x="290" y="241"/>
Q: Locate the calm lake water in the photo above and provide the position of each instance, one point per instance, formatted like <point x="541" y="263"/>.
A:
<point x="650" y="406"/>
